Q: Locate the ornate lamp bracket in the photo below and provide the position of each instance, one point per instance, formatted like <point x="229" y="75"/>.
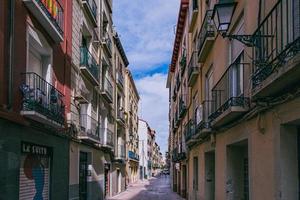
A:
<point x="248" y="40"/>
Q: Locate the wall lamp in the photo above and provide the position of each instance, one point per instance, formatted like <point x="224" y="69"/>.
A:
<point x="222" y="17"/>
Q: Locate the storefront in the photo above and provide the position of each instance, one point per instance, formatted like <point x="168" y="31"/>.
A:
<point x="34" y="163"/>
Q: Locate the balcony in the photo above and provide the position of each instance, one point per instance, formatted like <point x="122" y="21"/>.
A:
<point x="177" y="82"/>
<point x="182" y="108"/>
<point x="91" y="9"/>
<point x="178" y="156"/>
<point x="107" y="90"/>
<point x="50" y="15"/>
<point x="277" y="58"/>
<point x="194" y="8"/>
<point x="203" y="127"/>
<point x="89" y="129"/>
<point x="133" y="156"/>
<point x="120" y="79"/>
<point x="177" y="119"/>
<point x="121" y="116"/>
<point x="229" y="102"/>
<point x="182" y="62"/>
<point x="41" y="101"/>
<point x="107" y="45"/>
<point x="174" y="97"/>
<point x="189" y="132"/>
<point x="120" y="155"/>
<point x="193" y="69"/>
<point x="89" y="66"/>
<point x="106" y="138"/>
<point x="174" y="126"/>
<point x="206" y="37"/>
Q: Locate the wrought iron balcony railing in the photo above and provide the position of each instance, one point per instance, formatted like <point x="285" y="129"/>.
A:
<point x="189" y="130"/>
<point x="120" y="79"/>
<point x="133" y="156"/>
<point x="193" y="69"/>
<point x="182" y="107"/>
<point x="203" y="124"/>
<point x="121" y="151"/>
<point x="206" y="36"/>
<point x="107" y="90"/>
<point x="177" y="82"/>
<point x="282" y="25"/>
<point x="183" y="62"/>
<point x="50" y="14"/>
<point x="89" y="65"/>
<point x="106" y="137"/>
<point x="194" y="8"/>
<point x="91" y="8"/>
<point x="89" y="128"/>
<point x="41" y="97"/>
<point x="107" y="44"/>
<point x="121" y="115"/>
<point x="229" y="91"/>
<point x="178" y="156"/>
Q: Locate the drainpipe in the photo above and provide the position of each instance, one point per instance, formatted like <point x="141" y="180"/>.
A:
<point x="11" y="54"/>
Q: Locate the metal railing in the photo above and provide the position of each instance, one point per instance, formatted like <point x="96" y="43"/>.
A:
<point x="182" y="107"/>
<point x="55" y="13"/>
<point x="93" y="7"/>
<point x="189" y="130"/>
<point x="121" y="114"/>
<point x="277" y="39"/>
<point x="204" y="122"/>
<point x="229" y="91"/>
<point x="177" y="82"/>
<point x="121" y="151"/>
<point x="106" y="137"/>
<point x="207" y="30"/>
<point x="120" y="79"/>
<point x="40" y="96"/>
<point x="183" y="62"/>
<point x="193" y="64"/>
<point x="87" y="60"/>
<point x="89" y="127"/>
<point x="108" y="88"/>
<point x="177" y="155"/>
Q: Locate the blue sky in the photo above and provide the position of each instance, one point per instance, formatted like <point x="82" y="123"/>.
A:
<point x="146" y="29"/>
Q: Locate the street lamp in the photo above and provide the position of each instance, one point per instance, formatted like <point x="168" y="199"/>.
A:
<point x="222" y="17"/>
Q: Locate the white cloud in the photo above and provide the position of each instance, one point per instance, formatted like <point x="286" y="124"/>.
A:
<point x="154" y="106"/>
<point x="146" y="30"/>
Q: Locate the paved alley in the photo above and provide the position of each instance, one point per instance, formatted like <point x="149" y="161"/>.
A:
<point x="155" y="188"/>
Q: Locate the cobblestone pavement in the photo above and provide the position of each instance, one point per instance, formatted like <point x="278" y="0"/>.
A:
<point x="152" y="189"/>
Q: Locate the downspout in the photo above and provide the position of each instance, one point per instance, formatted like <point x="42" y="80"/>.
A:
<point x="11" y="54"/>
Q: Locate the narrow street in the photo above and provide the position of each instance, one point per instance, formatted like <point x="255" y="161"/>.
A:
<point x="153" y="189"/>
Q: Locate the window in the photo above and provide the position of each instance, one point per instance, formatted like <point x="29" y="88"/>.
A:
<point x="39" y="55"/>
<point x="195" y="173"/>
<point x="237" y="77"/>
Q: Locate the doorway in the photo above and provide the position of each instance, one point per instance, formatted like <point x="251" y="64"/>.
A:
<point x="83" y="172"/>
<point x="290" y="162"/>
<point x="210" y="175"/>
<point x="237" y="183"/>
<point x="119" y="181"/>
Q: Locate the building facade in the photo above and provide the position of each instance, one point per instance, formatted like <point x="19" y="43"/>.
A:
<point x="35" y="42"/>
<point x="119" y="166"/>
<point x="132" y="138"/>
<point x="143" y="131"/>
<point x="151" y="159"/>
<point x="62" y="100"/>
<point x="241" y="121"/>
